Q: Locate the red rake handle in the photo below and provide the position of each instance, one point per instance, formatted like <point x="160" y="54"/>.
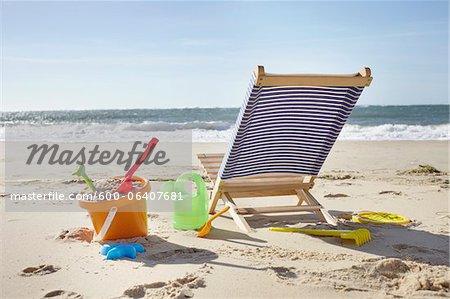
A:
<point x="125" y="186"/>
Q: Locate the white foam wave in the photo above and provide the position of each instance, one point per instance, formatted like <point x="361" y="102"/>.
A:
<point x="395" y="132"/>
<point x="165" y="126"/>
<point x="200" y="132"/>
<point x="356" y="132"/>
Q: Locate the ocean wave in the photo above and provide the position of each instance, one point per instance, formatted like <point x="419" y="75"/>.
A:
<point x="166" y="126"/>
<point x="357" y="132"/>
<point x="200" y="132"/>
<point x="395" y="132"/>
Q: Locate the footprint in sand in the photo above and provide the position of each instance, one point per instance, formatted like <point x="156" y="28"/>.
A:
<point x="433" y="256"/>
<point x="178" y="288"/>
<point x="336" y="195"/>
<point x="390" y="192"/>
<point x="63" y="294"/>
<point x="178" y="253"/>
<point x="39" y="270"/>
<point x="410" y="248"/>
<point x="400" y="278"/>
<point x="284" y="272"/>
<point x="82" y="234"/>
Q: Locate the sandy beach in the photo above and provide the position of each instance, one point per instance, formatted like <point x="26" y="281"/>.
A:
<point x="41" y="259"/>
<point x="108" y="106"/>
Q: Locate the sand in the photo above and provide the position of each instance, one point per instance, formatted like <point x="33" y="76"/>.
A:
<point x="50" y="254"/>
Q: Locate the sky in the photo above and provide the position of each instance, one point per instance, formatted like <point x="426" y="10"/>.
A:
<point x="119" y="55"/>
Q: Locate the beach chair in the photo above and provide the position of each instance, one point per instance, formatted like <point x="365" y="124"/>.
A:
<point x="283" y="134"/>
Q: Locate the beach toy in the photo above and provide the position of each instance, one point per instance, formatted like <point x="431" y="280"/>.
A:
<point x="117" y="251"/>
<point x="121" y="251"/>
<point x="127" y="185"/>
<point x="204" y="230"/>
<point x="369" y="217"/>
<point x="107" y="247"/>
<point x="191" y="211"/>
<point x="360" y="236"/>
<point x="125" y="217"/>
<point x="81" y="171"/>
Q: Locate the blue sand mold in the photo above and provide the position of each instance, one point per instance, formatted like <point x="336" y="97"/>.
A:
<point x="117" y="251"/>
<point x="108" y="247"/>
<point x="121" y="251"/>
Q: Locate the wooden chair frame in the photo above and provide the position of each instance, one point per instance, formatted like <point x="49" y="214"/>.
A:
<point x="275" y="184"/>
<point x="361" y="78"/>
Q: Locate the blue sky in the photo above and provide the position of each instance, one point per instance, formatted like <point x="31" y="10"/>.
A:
<point x="79" y="55"/>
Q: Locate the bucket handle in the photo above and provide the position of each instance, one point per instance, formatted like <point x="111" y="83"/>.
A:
<point x="109" y="219"/>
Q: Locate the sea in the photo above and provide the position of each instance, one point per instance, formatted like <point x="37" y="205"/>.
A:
<point x="417" y="122"/>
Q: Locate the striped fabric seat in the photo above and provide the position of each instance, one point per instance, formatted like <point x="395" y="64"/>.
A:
<point x="287" y="129"/>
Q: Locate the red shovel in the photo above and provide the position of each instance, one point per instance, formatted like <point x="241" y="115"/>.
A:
<point x="127" y="183"/>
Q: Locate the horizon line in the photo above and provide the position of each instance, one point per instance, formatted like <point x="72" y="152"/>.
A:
<point x="186" y="108"/>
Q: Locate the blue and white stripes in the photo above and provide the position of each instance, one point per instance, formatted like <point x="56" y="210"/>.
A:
<point x="287" y="129"/>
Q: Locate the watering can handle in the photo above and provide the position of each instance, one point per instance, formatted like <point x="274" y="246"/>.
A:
<point x="196" y="178"/>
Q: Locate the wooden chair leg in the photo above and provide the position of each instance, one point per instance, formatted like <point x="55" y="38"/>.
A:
<point x="300" y="198"/>
<point x="312" y="202"/>
<point x="238" y="219"/>
<point x="322" y="213"/>
<point x="215" y="195"/>
<point x="328" y="218"/>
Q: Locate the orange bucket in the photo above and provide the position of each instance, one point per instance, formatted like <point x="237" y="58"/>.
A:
<point x="130" y="214"/>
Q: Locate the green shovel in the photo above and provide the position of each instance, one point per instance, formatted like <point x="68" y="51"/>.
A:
<point x="81" y="171"/>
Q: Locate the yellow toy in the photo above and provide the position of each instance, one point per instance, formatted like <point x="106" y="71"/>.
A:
<point x="204" y="230"/>
<point x="361" y="236"/>
<point x="380" y="218"/>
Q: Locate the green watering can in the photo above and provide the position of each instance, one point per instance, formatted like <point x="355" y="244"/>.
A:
<point x="191" y="210"/>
